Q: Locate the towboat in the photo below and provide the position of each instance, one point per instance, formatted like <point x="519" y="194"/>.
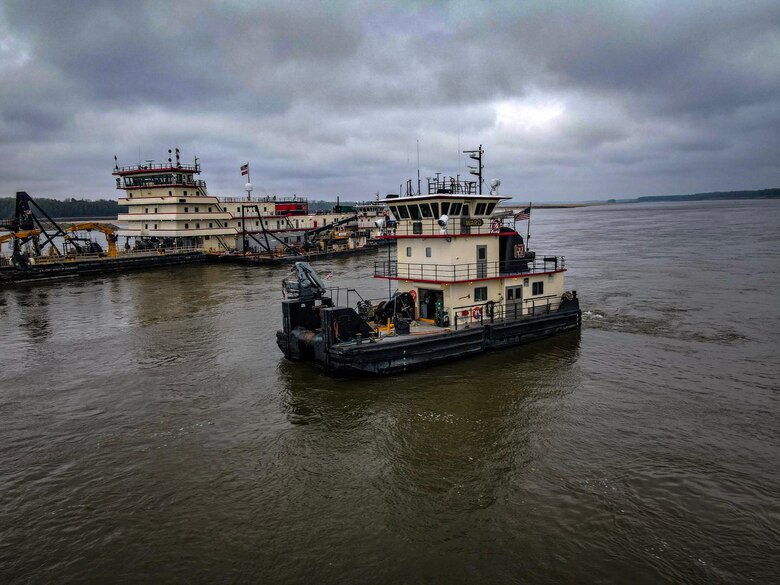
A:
<point x="466" y="284"/>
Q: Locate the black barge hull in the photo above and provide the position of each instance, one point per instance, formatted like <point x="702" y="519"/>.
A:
<point x="75" y="268"/>
<point x="410" y="352"/>
<point x="271" y="260"/>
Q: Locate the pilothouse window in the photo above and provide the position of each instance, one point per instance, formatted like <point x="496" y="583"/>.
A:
<point x="445" y="207"/>
<point x="435" y="209"/>
<point x="480" y="210"/>
<point x="425" y="209"/>
<point x="490" y="208"/>
<point x="414" y="212"/>
<point x="455" y="208"/>
<point x="403" y="211"/>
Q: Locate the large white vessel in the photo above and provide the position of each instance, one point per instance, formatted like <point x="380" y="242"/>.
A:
<point x="169" y="207"/>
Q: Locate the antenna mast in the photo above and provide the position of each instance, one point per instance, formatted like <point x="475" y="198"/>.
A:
<point x="476" y="170"/>
<point x="418" y="167"/>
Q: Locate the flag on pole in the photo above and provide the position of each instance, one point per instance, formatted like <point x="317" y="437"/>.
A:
<point x="245" y="169"/>
<point x="523" y="215"/>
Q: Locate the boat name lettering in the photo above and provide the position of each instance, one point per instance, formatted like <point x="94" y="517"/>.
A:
<point x="473" y="222"/>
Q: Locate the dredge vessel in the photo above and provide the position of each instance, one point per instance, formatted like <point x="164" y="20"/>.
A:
<point x="171" y="219"/>
<point x="466" y="284"/>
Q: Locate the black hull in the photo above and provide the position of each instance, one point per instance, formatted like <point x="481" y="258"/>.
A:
<point x="259" y="259"/>
<point x="78" y="269"/>
<point x="410" y="353"/>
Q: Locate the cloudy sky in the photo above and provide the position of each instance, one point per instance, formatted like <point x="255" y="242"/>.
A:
<point x="570" y="100"/>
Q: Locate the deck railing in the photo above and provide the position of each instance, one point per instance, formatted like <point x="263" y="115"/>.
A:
<point x="158" y="167"/>
<point x="492" y="312"/>
<point x="466" y="272"/>
<point x="455" y="226"/>
<point x="47" y="260"/>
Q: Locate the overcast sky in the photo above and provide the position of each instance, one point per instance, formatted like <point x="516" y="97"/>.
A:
<point x="570" y="100"/>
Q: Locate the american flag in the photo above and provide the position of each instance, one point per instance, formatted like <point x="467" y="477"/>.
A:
<point x="524" y="214"/>
<point x="245" y="169"/>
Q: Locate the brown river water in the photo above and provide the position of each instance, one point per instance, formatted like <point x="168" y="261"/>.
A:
<point x="151" y="432"/>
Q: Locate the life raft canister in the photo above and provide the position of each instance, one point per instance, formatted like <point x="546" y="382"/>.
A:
<point x="476" y="313"/>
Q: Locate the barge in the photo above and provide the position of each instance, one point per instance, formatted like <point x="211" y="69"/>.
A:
<point x="466" y="284"/>
<point x="43" y="249"/>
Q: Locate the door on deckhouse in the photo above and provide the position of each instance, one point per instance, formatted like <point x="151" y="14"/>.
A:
<point x="514" y="302"/>
<point x="481" y="261"/>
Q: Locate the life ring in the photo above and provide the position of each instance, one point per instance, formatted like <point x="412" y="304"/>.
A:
<point x="476" y="313"/>
<point x="414" y="295"/>
<point x="495" y="225"/>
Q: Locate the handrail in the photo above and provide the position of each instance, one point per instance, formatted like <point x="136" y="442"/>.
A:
<point x="45" y="260"/>
<point x="465" y="272"/>
<point x="456" y="225"/>
<point x="494" y="312"/>
<point x="124" y="185"/>
<point x="158" y="167"/>
<point x="265" y="199"/>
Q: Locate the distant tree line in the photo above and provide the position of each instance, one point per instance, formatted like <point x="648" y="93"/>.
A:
<point x="717" y="195"/>
<point x="62" y="208"/>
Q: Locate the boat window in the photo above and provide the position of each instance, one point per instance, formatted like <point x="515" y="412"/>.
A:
<point x="480" y="210"/>
<point x="455" y="208"/>
<point x="186" y="210"/>
<point x="480" y="293"/>
<point x="428" y="252"/>
<point x="409" y="251"/>
<point x="186" y="226"/>
<point x="435" y="209"/>
<point x="414" y="212"/>
<point x="146" y="210"/>
<point x="490" y="208"/>
<point x="445" y="207"/>
<point x="394" y="211"/>
<point x="465" y="210"/>
<point x="403" y="211"/>
<point x="425" y="209"/>
<point x="537" y="288"/>
<point x="197" y="225"/>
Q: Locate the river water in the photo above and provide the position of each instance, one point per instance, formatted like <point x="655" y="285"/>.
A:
<point x="150" y="430"/>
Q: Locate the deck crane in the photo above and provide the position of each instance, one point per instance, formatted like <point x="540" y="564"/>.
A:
<point x="107" y="230"/>
<point x="311" y="237"/>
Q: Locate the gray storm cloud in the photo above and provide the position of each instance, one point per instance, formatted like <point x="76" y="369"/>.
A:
<point x="571" y="100"/>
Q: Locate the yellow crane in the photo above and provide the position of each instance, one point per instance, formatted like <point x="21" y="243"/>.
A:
<point x="109" y="232"/>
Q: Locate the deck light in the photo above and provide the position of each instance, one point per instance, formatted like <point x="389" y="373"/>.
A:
<point x="443" y="220"/>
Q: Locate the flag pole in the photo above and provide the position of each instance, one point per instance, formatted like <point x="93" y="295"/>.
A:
<point x="528" y="231"/>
